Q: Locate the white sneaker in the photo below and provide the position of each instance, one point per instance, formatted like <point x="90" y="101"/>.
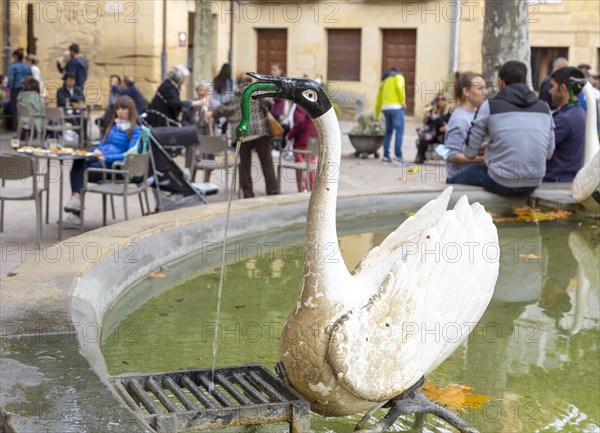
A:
<point x="73" y="205"/>
<point x="72" y="221"/>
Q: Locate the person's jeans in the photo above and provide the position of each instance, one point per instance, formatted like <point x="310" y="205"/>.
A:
<point x="477" y="174"/>
<point x="394" y="121"/>
<point x="79" y="166"/>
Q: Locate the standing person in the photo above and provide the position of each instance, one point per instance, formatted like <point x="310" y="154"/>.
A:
<point x="130" y="89"/>
<point x="521" y="137"/>
<point x="223" y="87"/>
<point x="391" y="98"/>
<point x="122" y="134"/>
<point x="5" y="98"/>
<point x="435" y="118"/>
<point x="469" y="93"/>
<point x="258" y="139"/>
<point x="165" y="107"/>
<point x="62" y="66"/>
<point x="31" y="61"/>
<point x="569" y="129"/>
<point x="301" y="132"/>
<point x="78" y="66"/>
<point x="17" y="72"/>
<point x="559" y="62"/>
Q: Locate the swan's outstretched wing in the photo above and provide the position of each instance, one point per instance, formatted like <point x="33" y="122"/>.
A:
<point x="587" y="180"/>
<point x="428" y="303"/>
<point x="427" y="216"/>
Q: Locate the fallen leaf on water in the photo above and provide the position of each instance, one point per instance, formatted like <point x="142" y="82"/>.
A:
<point x="156" y="275"/>
<point x="456" y="396"/>
<point x="529" y="214"/>
<point x="530" y="256"/>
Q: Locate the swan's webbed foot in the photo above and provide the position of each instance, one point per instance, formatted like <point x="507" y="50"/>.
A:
<point x="412" y="401"/>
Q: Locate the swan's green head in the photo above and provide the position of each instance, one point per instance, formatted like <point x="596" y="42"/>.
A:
<point x="306" y="93"/>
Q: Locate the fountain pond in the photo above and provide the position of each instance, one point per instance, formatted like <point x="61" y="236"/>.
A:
<point x="535" y="353"/>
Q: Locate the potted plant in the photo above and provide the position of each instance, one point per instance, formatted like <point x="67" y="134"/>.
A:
<point x="367" y="135"/>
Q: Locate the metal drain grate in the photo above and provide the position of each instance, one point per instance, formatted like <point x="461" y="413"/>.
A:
<point x="186" y="400"/>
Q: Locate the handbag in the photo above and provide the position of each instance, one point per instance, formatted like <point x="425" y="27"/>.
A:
<point x="275" y="128"/>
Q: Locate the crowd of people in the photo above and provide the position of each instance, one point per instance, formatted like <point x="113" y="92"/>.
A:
<point x="508" y="144"/>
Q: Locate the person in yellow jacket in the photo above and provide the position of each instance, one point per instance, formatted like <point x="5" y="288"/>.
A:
<point x="391" y="99"/>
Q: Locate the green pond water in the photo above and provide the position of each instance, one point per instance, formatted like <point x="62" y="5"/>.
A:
<point x="535" y="352"/>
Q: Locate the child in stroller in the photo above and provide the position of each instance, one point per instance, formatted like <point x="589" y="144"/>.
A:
<point x="435" y="119"/>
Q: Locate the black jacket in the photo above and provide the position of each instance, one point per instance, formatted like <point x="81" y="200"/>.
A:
<point x="63" y="94"/>
<point x="78" y="66"/>
<point x="165" y="101"/>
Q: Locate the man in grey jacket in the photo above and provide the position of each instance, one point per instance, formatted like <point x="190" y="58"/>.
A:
<point x="520" y="133"/>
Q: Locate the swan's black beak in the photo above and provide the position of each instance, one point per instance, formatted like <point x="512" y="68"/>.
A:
<point x="307" y="93"/>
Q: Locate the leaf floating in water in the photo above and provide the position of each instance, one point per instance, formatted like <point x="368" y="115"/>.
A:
<point x="239" y="306"/>
<point x="530" y="256"/>
<point x="156" y="275"/>
<point x="454" y="395"/>
<point x="179" y="299"/>
<point x="529" y="214"/>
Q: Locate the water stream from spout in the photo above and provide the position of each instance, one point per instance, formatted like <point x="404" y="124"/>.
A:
<point x="222" y="275"/>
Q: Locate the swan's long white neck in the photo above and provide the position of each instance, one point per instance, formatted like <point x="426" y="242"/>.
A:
<point x="322" y="248"/>
<point x="592" y="145"/>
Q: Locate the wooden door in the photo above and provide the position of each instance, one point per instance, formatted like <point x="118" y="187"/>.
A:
<point x="400" y="50"/>
<point x="271" y="48"/>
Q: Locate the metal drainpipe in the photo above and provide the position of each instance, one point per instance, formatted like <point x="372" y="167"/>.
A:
<point x="454" y="36"/>
<point x="7" y="38"/>
<point x="163" y="54"/>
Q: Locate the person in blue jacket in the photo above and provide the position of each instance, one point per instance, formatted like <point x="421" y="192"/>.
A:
<point x="122" y="134"/>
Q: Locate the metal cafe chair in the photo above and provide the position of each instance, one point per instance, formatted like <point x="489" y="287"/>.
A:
<point x="215" y="156"/>
<point x="21" y="168"/>
<point x="25" y="111"/>
<point x="56" y="123"/>
<point x="312" y="148"/>
<point x="127" y="178"/>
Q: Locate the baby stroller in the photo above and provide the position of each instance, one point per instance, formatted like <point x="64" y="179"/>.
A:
<point x="172" y="189"/>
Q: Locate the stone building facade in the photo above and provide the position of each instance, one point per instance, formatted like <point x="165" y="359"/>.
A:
<point x="349" y="42"/>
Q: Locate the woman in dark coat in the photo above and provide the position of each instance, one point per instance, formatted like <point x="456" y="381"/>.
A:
<point x="165" y="107"/>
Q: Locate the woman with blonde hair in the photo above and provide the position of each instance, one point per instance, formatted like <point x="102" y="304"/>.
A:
<point x="435" y="118"/>
<point x="122" y="134"/>
<point x="469" y="93"/>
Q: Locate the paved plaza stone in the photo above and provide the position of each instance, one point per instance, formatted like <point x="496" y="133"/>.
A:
<point x="18" y="238"/>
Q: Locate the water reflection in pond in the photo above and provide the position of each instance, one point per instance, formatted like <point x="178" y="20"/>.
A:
<point x="536" y="351"/>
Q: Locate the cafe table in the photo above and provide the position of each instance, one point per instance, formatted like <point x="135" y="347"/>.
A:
<point x="61" y="158"/>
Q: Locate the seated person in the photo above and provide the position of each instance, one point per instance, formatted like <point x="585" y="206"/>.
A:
<point x="469" y="94"/>
<point x="569" y="129"/>
<point x="521" y="137"/>
<point x="122" y="134"/>
<point x="69" y="93"/>
<point x="30" y="96"/>
<point x="435" y="118"/>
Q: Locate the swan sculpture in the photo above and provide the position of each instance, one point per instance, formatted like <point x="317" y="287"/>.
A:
<point x="358" y="339"/>
<point x="586" y="185"/>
